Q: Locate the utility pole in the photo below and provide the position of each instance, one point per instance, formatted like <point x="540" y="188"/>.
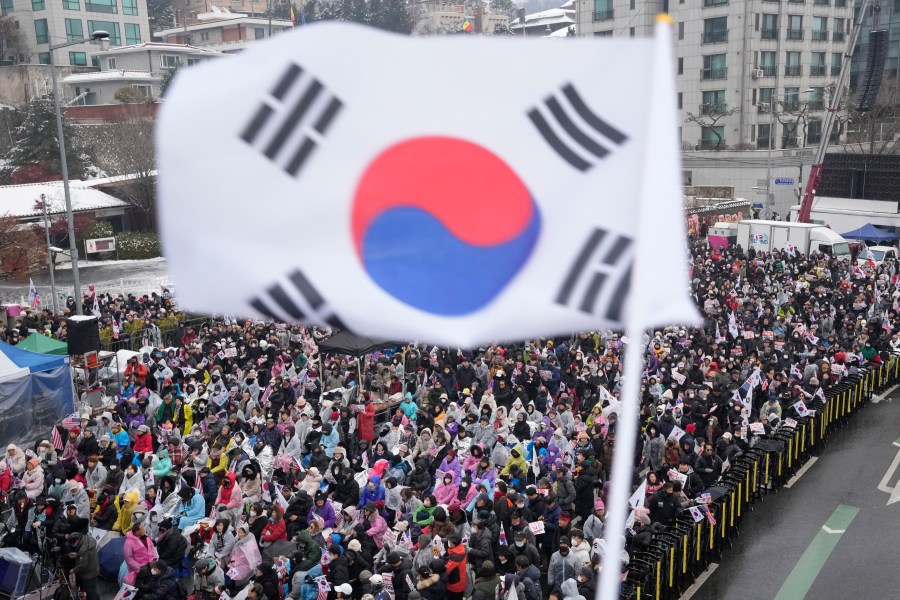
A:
<point x="49" y="254"/>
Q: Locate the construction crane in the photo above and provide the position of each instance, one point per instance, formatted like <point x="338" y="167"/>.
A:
<point x="815" y="172"/>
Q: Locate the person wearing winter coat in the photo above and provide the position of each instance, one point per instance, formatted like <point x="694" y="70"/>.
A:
<point x="375" y="524"/>
<point x="447" y="490"/>
<point x="424" y="515"/>
<point x="192" y="507"/>
<point x="245" y="556"/>
<point x="337" y="566"/>
<point x="654" y="448"/>
<point x="594" y="525"/>
<point x="563" y="565"/>
<point x="133" y="480"/>
<point x="587" y="582"/>
<point x="162" y="465"/>
<point x="569" y="589"/>
<point x="311" y="482"/>
<point x="580" y="548"/>
<point x="275" y="528"/>
<point x="486" y="581"/>
<point x="565" y="488"/>
<point x="222" y="542"/>
<point x="322" y="509"/>
<point x="516" y="458"/>
<point x="171" y="546"/>
<point x="708" y="466"/>
<point x="480" y="549"/>
<point x="373" y="492"/>
<point x="456" y="567"/>
<point x="139" y="550"/>
<point x="229" y="499"/>
<point x="33" y="479"/>
<point x="420" y="479"/>
<point x="366" y="420"/>
<point x="209" y="577"/>
<point x="430" y="586"/>
<point x="251" y="484"/>
<point x="522" y="547"/>
<point x="529" y="575"/>
<point x="95" y="474"/>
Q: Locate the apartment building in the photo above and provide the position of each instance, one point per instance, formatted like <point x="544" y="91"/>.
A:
<point x="49" y="22"/>
<point x="736" y="60"/>
<point x="887" y="17"/>
<point x="223" y="31"/>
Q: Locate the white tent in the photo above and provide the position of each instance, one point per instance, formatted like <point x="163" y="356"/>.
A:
<point x="10" y="370"/>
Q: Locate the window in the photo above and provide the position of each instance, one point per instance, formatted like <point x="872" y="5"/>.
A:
<point x="820" y="29"/>
<point x="763" y="135"/>
<point x="169" y="61"/>
<point x="680" y="100"/>
<point x="631" y="31"/>
<point x="72" y="4"/>
<point x="204" y="36"/>
<point x="836" y="59"/>
<point x="792" y="66"/>
<point x="132" y="33"/>
<point x="817" y="67"/>
<point x="111" y="64"/>
<point x="681" y="66"/>
<point x="765" y="97"/>
<point x="40" y="31"/>
<point x="713" y="103"/>
<point x="95" y="62"/>
<point x="6" y="6"/>
<point x="74" y="30"/>
<point x="603" y="33"/>
<point x="115" y="38"/>
<point x="44" y="58"/>
<point x="767" y="63"/>
<point x="838" y="31"/>
<point x="715" y="2"/>
<point x="770" y="27"/>
<point x="78" y="59"/>
<point x="795" y="27"/>
<point x="192" y="61"/>
<point x="816" y="98"/>
<point x="712" y="137"/>
<point x="681" y="30"/>
<point x="715" y="30"/>
<point x="143" y="89"/>
<point x="101" y="6"/>
<point x="791" y="99"/>
<point x="603" y="10"/>
<point x="714" y="67"/>
<point x="631" y="5"/>
<point x="259" y="33"/>
<point x="37" y="5"/>
<point x="129" y="7"/>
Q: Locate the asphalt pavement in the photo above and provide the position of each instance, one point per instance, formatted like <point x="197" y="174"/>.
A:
<point x="832" y="535"/>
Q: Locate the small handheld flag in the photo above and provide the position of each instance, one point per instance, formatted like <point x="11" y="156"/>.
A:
<point x="34" y="297"/>
<point x="466" y="26"/>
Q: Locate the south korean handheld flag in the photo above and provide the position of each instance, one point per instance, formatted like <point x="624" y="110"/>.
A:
<point x="382" y="196"/>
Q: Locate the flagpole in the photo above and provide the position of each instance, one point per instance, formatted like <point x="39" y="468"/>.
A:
<point x="622" y="475"/>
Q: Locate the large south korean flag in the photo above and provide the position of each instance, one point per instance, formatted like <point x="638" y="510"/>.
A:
<point x="452" y="189"/>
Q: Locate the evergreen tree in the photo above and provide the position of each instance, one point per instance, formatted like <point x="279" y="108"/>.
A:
<point x="35" y="145"/>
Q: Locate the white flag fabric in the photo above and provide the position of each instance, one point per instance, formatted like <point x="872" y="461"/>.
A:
<point x="676" y="434"/>
<point x="34" y="297"/>
<point x="801" y="409"/>
<point x="396" y="202"/>
<point x="732" y="326"/>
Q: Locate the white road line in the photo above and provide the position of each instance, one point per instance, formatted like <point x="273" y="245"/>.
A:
<point x="888" y="392"/>
<point x="802" y="470"/>
<point x="830" y="530"/>
<point x="689" y="593"/>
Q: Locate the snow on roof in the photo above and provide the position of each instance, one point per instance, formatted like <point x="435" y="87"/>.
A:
<point x="19" y="200"/>
<point x="186" y="48"/>
<point x="223" y="20"/>
<point x="122" y="76"/>
<point x="100" y="181"/>
<point x="562" y="32"/>
<point x="553" y="15"/>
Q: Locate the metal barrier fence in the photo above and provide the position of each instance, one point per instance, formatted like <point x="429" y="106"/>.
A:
<point x="678" y="555"/>
<point x="169" y="336"/>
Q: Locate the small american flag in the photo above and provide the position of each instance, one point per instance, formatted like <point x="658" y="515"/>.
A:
<point x="71" y="421"/>
<point x="709" y="515"/>
<point x="56" y="439"/>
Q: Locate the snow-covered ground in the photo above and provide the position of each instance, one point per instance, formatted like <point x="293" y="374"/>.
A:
<point x="88" y="264"/>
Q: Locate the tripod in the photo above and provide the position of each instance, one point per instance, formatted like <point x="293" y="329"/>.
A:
<point x="47" y="558"/>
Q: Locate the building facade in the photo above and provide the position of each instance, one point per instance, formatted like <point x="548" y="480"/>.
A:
<point x="887" y="17"/>
<point x="223" y="31"/>
<point x="46" y="22"/>
<point x="737" y="60"/>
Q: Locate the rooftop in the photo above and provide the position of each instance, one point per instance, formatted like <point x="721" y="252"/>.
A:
<point x="19" y="200"/>
<point x="98" y="76"/>
<point x="183" y="48"/>
<point x="222" y="20"/>
<point x="546" y="17"/>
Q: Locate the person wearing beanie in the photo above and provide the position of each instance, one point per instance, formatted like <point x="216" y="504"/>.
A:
<point x="430" y="586"/>
<point x="587" y="582"/>
<point x="402" y="568"/>
<point x="522" y="547"/>
<point x="563" y="564"/>
<point x="171" y="546"/>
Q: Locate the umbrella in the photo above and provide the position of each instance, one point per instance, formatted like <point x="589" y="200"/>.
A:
<point x="111" y="555"/>
<point x="770" y="445"/>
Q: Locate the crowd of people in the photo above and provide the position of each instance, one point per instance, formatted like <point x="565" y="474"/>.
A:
<point x="244" y="461"/>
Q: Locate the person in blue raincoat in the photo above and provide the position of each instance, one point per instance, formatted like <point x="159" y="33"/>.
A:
<point x="372" y="492"/>
<point x="193" y="506"/>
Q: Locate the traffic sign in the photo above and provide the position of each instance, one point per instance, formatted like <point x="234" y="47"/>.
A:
<point x="784" y="181"/>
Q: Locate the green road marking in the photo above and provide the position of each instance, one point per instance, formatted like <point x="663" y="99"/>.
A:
<point x="807" y="568"/>
<point x="897" y="442"/>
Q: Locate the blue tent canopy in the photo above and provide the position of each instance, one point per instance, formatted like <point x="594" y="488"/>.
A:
<point x="871" y="233"/>
<point x="33" y="361"/>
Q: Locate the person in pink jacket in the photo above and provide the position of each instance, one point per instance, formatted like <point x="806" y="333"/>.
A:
<point x="245" y="556"/>
<point x="231" y="498"/>
<point x="447" y="489"/>
<point x="139" y="551"/>
<point x="377" y="524"/>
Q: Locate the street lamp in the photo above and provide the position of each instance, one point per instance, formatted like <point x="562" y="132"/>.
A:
<point x="770" y="194"/>
<point x="73" y="246"/>
<point x="49" y="254"/>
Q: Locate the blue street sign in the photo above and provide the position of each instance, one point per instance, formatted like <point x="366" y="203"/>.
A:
<point x="784" y="181"/>
<point x="758" y="206"/>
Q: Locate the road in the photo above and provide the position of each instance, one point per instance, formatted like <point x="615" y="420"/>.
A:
<point x="140" y="276"/>
<point x="832" y="534"/>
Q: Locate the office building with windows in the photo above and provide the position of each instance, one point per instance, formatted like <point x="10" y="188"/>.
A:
<point x="47" y="22"/>
<point x="736" y="60"/>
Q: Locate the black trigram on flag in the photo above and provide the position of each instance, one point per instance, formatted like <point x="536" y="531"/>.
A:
<point x="299" y="301"/>
<point x="292" y="120"/>
<point x="601" y="272"/>
<point x="573" y="130"/>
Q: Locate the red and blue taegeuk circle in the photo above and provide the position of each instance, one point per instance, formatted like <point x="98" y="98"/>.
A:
<point x="443" y="224"/>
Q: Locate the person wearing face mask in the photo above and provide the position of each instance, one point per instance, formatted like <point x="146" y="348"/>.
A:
<point x="447" y="489"/>
<point x="522" y="547"/>
<point x="563" y="564"/>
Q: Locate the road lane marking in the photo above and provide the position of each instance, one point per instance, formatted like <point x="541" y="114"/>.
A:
<point x="802" y="470"/>
<point x="695" y="587"/>
<point x="894" y="490"/>
<point x="798" y="583"/>
<point x="888" y="392"/>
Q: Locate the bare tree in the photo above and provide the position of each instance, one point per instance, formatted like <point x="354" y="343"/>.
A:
<point x="709" y="116"/>
<point x="876" y="131"/>
<point x="12" y="41"/>
<point x="794" y="117"/>
<point x="125" y="149"/>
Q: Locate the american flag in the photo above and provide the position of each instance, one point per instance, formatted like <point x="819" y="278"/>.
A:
<point x="56" y="439"/>
<point x="709" y="515"/>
